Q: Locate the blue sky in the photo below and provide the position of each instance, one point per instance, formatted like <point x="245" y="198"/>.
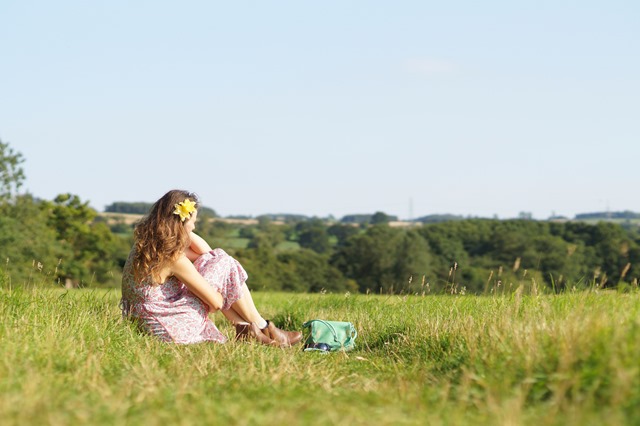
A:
<point x="335" y="107"/>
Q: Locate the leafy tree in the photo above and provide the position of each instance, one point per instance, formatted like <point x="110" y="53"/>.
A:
<point x="90" y="251"/>
<point x="559" y="261"/>
<point x="11" y="173"/>
<point x="29" y="249"/>
<point x="364" y="219"/>
<point x="128" y="208"/>
<point x="267" y="235"/>
<point x="435" y="218"/>
<point x="413" y="259"/>
<point x="262" y="266"/>
<point x="212" y="230"/>
<point x="247" y="232"/>
<point x="384" y="259"/>
<point x="448" y="251"/>
<point x="207" y="212"/>
<point x="356" y="218"/>
<point x="306" y="270"/>
<point x="380" y="218"/>
<point x="313" y="235"/>
<point x="608" y="215"/>
<point x="606" y="249"/>
<point x="342" y="232"/>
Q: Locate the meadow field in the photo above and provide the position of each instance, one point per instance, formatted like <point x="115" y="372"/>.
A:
<point x="68" y="358"/>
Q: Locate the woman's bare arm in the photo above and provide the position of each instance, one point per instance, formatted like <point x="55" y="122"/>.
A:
<point x="199" y="245"/>
<point x="184" y="270"/>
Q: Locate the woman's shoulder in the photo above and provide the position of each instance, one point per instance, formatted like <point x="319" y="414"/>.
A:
<point x="180" y="263"/>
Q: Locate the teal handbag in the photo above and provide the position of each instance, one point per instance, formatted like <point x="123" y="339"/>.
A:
<point x="329" y="336"/>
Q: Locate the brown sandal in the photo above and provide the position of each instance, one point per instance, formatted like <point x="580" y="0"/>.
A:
<point x="281" y="337"/>
<point x="252" y="332"/>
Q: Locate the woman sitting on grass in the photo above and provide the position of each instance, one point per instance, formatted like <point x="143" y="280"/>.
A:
<point x="172" y="280"/>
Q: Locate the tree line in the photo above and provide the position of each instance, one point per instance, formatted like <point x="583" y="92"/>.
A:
<point x="65" y="242"/>
<point x="473" y="255"/>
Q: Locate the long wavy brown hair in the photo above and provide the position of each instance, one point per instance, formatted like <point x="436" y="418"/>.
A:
<point x="160" y="237"/>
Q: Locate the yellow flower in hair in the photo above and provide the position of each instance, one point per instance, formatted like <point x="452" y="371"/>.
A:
<point x="185" y="208"/>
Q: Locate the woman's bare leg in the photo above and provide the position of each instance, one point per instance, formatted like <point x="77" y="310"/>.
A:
<point x="243" y="309"/>
<point x="233" y="317"/>
<point x="248" y="321"/>
<point x="264" y="331"/>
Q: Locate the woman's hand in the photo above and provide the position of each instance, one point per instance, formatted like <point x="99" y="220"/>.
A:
<point x="197" y="247"/>
<point x="198" y="244"/>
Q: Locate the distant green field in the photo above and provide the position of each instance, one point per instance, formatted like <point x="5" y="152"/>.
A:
<point x="570" y="359"/>
<point x="235" y="243"/>
<point x="288" y="245"/>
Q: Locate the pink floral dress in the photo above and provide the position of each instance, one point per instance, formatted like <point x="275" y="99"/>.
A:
<point x="170" y="311"/>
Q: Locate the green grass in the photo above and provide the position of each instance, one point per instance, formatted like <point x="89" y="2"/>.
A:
<point x="571" y="359"/>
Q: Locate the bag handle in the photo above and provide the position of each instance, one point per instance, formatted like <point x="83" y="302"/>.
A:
<point x="353" y="332"/>
<point x="333" y="330"/>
